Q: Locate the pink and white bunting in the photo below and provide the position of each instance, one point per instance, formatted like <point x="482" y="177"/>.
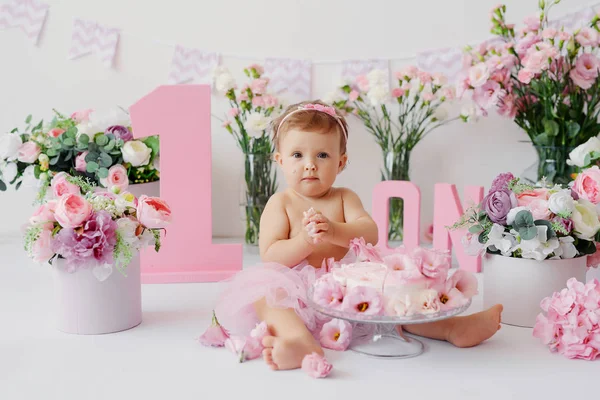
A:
<point x="351" y="69"/>
<point x="448" y="61"/>
<point x="575" y="20"/>
<point x="288" y="75"/>
<point x="90" y="37"/>
<point x="192" y="65"/>
<point x="29" y="15"/>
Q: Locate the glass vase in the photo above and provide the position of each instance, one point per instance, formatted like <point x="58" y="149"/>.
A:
<point x="552" y="164"/>
<point x="259" y="184"/>
<point x="396" y="167"/>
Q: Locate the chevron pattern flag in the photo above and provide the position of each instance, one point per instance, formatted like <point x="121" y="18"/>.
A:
<point x="574" y="20"/>
<point x="292" y="76"/>
<point x="192" y="65"/>
<point x="29" y="15"/>
<point x="448" y="61"/>
<point x="90" y="37"/>
<point x="351" y="69"/>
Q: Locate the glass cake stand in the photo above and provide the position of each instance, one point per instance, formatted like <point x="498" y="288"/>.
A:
<point x="378" y="336"/>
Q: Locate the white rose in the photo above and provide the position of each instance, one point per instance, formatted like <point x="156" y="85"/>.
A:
<point x="478" y="75"/>
<point x="8" y="172"/>
<point x="9" y="146"/>
<point x="561" y="203"/>
<point x="256" y="123"/>
<point x="510" y="217"/>
<point x="566" y="249"/>
<point x="378" y="95"/>
<point x="136" y="153"/>
<point x="578" y="154"/>
<point x="377" y="77"/>
<point x="585" y="219"/>
<point x="440" y="114"/>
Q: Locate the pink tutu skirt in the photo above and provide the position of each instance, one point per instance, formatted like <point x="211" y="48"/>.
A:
<point x="281" y="286"/>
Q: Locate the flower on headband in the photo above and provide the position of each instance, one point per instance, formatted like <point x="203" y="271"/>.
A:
<point x="318" y="107"/>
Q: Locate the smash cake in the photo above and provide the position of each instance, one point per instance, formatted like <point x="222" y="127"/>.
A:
<point x="401" y="283"/>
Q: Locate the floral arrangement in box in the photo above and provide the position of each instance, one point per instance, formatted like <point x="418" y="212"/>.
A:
<point x="398" y="119"/>
<point x="252" y="108"/>
<point x="519" y="220"/>
<point x="544" y="78"/>
<point x="90" y="227"/>
<point x="83" y="144"/>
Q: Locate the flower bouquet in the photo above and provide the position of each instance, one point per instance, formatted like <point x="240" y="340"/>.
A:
<point x="544" y="78"/>
<point x="82" y="144"/>
<point x="86" y="232"/>
<point x="252" y="109"/>
<point x="398" y="120"/>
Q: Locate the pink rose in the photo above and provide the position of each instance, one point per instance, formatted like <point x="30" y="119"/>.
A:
<point x="316" y="365"/>
<point x="116" y="179"/>
<point x="525" y="76"/>
<point x="587" y="37"/>
<point x="80" y="164"/>
<point x="153" y="212"/>
<point x="44" y="215"/>
<point x="526" y="198"/>
<point x="539" y="209"/>
<point x="56" y="132"/>
<point x="60" y="186"/>
<point x="81" y="116"/>
<point x="354" y="95"/>
<point x="29" y="152"/>
<point x="587" y="184"/>
<point x="336" y="335"/>
<point x="72" y="211"/>
<point x="42" y="247"/>
<point x="536" y="62"/>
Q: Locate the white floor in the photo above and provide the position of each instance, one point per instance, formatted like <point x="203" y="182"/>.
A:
<point x="161" y="360"/>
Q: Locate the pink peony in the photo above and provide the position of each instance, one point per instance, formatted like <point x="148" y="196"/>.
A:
<point x="81" y="116"/>
<point x="117" y="180"/>
<point x="56" y="132"/>
<point x="587" y="184"/>
<point x="363" y="300"/>
<point x="215" y="335"/>
<point x="42" y="247"/>
<point x="72" y="210"/>
<point x="80" y="163"/>
<point x="29" y="152"/>
<point x="60" y="186"/>
<point x="316" y="365"/>
<point x="328" y="293"/>
<point x="153" y="212"/>
<point x="336" y="335"/>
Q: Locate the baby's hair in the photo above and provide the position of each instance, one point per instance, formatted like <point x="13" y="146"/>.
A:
<point x="310" y="119"/>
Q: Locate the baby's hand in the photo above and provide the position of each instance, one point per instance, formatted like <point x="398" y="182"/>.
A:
<point x="316" y="226"/>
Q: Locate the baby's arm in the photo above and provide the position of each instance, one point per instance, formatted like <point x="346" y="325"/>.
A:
<point x="358" y="222"/>
<point x="274" y="241"/>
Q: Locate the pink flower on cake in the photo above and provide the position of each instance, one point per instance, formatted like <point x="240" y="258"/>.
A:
<point x="432" y="264"/>
<point x="587" y="184"/>
<point x="328" y="293"/>
<point x="215" y="335"/>
<point x="429" y="302"/>
<point x="72" y="211"/>
<point x="61" y="186"/>
<point x="316" y="365"/>
<point x="363" y="300"/>
<point x="364" y="251"/>
<point x="336" y="335"/>
<point x="463" y="281"/>
<point x="399" y="305"/>
<point x="153" y="212"/>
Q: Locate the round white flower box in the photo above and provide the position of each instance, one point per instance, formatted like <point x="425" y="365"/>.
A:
<point x="87" y="305"/>
<point x="520" y="284"/>
<point x="150" y="189"/>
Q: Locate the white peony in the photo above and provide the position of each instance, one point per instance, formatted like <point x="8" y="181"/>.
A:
<point x="566" y="249"/>
<point x="378" y="95"/>
<point x="8" y="172"/>
<point x="478" y="75"/>
<point x="585" y="219"/>
<point x="539" y="248"/>
<point x="9" y="146"/>
<point x="561" y="203"/>
<point x="510" y="217"/>
<point x="377" y="77"/>
<point x="578" y="154"/>
<point x="136" y="153"/>
<point x="223" y="80"/>
<point x="256" y="123"/>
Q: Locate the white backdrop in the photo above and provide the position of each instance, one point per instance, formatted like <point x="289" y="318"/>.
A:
<point x="33" y="80"/>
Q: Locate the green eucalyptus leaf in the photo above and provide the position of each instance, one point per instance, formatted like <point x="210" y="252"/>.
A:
<point x="36" y="171"/>
<point x="542" y="139"/>
<point x="551" y="128"/>
<point x="28" y="119"/>
<point x="102" y="172"/>
<point x="475" y="229"/>
<point x="101" y="140"/>
<point x="572" y="128"/>
<point x="54" y="160"/>
<point x="71" y="132"/>
<point x="2" y="186"/>
<point x="69" y="156"/>
<point x="51" y="152"/>
<point x="523" y="219"/>
<point x="69" y="142"/>
<point x="105" y="160"/>
<point x="83" y="139"/>
<point x="528" y="233"/>
<point x="92" y="147"/>
<point x="110" y="145"/>
<point x="91" y="167"/>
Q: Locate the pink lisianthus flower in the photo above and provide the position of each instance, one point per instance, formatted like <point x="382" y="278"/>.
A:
<point x="363" y="300"/>
<point x="364" y="251"/>
<point x="329" y="293"/>
<point x="336" y="335"/>
<point x="215" y="335"/>
<point x="316" y="365"/>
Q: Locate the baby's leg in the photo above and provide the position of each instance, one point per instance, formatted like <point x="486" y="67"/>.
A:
<point x="465" y="331"/>
<point x="290" y="340"/>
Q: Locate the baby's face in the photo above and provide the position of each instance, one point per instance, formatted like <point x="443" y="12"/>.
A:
<point x="310" y="161"/>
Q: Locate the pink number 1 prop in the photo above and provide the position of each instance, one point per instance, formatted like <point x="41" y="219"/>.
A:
<point x="180" y="114"/>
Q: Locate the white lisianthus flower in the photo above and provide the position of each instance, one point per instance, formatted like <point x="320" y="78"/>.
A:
<point x="561" y="203"/>
<point x="578" y="154"/>
<point x="510" y="217"/>
<point x="9" y="146"/>
<point x="378" y="95"/>
<point x="539" y="248"/>
<point x="256" y="123"/>
<point x="136" y="153"/>
<point x="585" y="220"/>
<point x="566" y="248"/>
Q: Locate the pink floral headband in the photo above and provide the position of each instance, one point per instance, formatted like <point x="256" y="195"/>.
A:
<point x="321" y="108"/>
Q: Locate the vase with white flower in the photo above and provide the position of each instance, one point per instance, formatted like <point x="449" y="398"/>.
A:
<point x="398" y="120"/>
<point x="545" y="79"/>
<point x="92" y="237"/>
<point x="252" y="108"/>
<point x="534" y="239"/>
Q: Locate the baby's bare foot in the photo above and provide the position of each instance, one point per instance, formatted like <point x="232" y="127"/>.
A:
<point x="287" y="353"/>
<point x="473" y="329"/>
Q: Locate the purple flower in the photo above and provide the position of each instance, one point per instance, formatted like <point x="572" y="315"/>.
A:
<point x="120" y="132"/>
<point x="497" y="205"/>
<point x="94" y="244"/>
<point x="566" y="223"/>
<point x="574" y="194"/>
<point x="501" y="182"/>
